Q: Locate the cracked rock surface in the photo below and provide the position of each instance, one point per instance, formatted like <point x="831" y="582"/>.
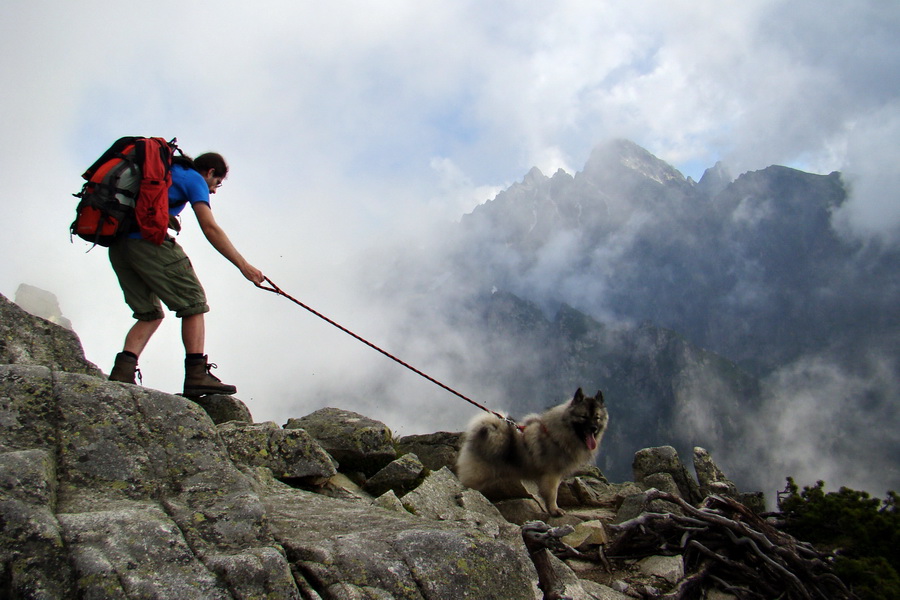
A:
<point x="111" y="490"/>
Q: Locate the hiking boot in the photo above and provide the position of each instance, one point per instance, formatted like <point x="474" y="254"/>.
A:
<point x="124" y="369"/>
<point x="198" y="381"/>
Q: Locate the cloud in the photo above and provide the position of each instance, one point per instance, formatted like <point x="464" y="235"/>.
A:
<point x="872" y="177"/>
<point x="817" y="423"/>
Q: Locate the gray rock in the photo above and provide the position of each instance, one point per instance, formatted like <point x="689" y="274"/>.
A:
<point x="26" y="409"/>
<point x="390" y="501"/>
<point x="664" y="482"/>
<point x="557" y="579"/>
<point x="440" y="497"/>
<point x="521" y="510"/>
<point x="358" y="443"/>
<point x="222" y="409"/>
<point x="147" y="501"/>
<point x="31" y="543"/>
<point x="341" y="486"/>
<point x="29" y="340"/>
<point x="634" y="505"/>
<point x="631" y="507"/>
<point x="598" y="591"/>
<point x="41" y="303"/>
<point x="288" y="453"/>
<point x="345" y="549"/>
<point x="593" y="492"/>
<point x="508" y="489"/>
<point x="710" y="478"/>
<point x="435" y="450"/>
<point x="400" y="475"/>
<point x="664" y="459"/>
<point x="112" y="490"/>
<point x="667" y="568"/>
<point x="135" y="550"/>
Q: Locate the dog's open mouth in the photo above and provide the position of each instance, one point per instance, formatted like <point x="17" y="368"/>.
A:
<point x="591" y="441"/>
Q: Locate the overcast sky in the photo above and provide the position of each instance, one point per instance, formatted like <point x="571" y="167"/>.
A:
<point x="349" y="124"/>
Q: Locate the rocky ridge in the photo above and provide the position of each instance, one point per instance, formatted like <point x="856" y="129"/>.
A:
<point x="109" y="490"/>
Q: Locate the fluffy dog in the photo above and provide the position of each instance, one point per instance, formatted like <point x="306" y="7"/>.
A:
<point x="545" y="448"/>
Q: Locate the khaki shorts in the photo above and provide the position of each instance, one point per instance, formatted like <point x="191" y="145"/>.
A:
<point x="149" y="273"/>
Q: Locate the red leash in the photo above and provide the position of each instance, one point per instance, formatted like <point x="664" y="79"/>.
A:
<point x="277" y="290"/>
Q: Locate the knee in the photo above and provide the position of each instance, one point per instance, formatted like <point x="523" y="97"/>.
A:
<point x="151" y="324"/>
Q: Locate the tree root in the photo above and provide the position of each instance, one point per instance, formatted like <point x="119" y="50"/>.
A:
<point x="730" y="547"/>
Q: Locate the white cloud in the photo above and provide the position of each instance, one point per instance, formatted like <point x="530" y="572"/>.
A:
<point x="872" y="174"/>
<point x="812" y="426"/>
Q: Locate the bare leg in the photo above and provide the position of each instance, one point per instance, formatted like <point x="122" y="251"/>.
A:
<point x="193" y="334"/>
<point x="139" y="334"/>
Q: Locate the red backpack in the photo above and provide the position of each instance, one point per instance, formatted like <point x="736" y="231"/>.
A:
<point x="127" y="190"/>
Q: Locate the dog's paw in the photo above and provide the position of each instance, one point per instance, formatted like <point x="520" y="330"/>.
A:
<point x="556" y="512"/>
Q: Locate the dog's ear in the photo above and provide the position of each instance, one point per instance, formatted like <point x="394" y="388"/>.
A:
<point x="579" y="395"/>
<point x="599" y="397"/>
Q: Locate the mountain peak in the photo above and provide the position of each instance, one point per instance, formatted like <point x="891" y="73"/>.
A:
<point x="533" y="177"/>
<point x="715" y="179"/>
<point x="620" y="156"/>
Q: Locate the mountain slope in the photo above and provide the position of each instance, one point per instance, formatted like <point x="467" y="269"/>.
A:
<point x="763" y="327"/>
<point x="662" y="390"/>
<point x="755" y="272"/>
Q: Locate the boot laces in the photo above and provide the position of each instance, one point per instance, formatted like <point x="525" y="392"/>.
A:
<point x="209" y="368"/>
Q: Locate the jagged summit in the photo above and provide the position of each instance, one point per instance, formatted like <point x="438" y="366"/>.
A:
<point x="623" y="158"/>
<point x="534" y="177"/>
<point x="620" y="182"/>
<point x="715" y="179"/>
<point x="41" y="303"/>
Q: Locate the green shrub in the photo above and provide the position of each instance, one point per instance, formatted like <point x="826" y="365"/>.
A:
<point x="864" y="532"/>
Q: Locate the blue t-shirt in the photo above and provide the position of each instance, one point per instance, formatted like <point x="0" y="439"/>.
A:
<point x="188" y="186"/>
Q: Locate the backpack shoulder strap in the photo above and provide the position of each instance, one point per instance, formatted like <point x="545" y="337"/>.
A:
<point x="152" y="206"/>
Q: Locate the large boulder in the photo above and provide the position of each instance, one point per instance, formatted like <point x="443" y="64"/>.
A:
<point x="357" y="442"/>
<point x="132" y="491"/>
<point x="661" y="467"/>
<point x="400" y="476"/>
<point x="29" y="340"/>
<point x="435" y="450"/>
<point x="114" y="490"/>
<point x="41" y="303"/>
<point x="222" y="409"/>
<point x="288" y="453"/>
<point x="710" y="477"/>
<point x="345" y="549"/>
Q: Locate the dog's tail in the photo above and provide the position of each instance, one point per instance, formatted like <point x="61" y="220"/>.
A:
<point x="491" y="439"/>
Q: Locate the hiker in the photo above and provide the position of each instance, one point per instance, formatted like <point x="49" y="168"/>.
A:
<point x="149" y="273"/>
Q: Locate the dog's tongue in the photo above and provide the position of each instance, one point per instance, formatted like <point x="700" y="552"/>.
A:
<point x="591" y="442"/>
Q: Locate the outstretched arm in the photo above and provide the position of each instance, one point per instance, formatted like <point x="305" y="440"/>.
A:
<point x="219" y="240"/>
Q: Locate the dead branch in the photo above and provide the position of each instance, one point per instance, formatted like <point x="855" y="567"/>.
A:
<point x="538" y="536"/>
<point x="685" y="588"/>
<point x="731" y="546"/>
